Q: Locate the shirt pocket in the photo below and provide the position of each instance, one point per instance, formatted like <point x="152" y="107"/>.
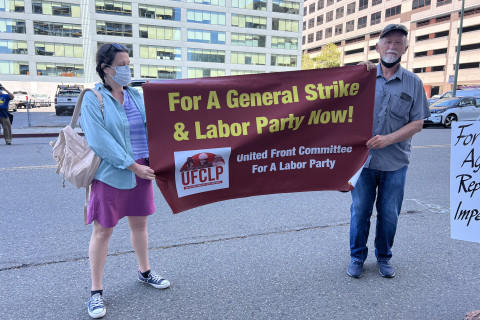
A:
<point x="399" y="109"/>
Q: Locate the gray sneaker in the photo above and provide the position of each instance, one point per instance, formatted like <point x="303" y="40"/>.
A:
<point x="96" y="308"/>
<point x="154" y="280"/>
<point x="385" y="269"/>
<point x="355" y="269"/>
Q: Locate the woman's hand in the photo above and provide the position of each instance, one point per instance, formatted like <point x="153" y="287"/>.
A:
<point x="144" y="172"/>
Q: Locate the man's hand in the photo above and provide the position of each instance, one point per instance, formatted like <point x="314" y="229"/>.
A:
<point x="378" y="142"/>
<point x="369" y="65"/>
<point x="144" y="172"/>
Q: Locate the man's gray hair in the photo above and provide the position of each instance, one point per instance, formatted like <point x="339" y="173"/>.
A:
<point x="405" y="40"/>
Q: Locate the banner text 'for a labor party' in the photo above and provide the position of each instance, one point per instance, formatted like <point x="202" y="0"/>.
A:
<point x="214" y="139"/>
<point x="465" y="181"/>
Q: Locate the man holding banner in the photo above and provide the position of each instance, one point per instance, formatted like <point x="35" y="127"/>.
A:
<point x="399" y="110"/>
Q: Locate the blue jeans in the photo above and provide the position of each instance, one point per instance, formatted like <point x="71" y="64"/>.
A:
<point x="390" y="187"/>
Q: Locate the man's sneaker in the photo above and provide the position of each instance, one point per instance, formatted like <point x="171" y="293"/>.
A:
<point x="386" y="270"/>
<point x="154" y="280"/>
<point x="96" y="309"/>
<point x="355" y="269"/>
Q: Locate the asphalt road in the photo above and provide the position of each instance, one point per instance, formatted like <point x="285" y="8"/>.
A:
<point x="267" y="257"/>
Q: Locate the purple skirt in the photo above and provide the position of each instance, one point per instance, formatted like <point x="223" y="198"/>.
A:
<point x="108" y="204"/>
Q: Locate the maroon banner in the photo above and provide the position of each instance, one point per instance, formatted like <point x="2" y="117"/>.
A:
<point x="214" y="139"/>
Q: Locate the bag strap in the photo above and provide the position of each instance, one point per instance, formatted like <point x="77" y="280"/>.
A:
<point x="78" y="106"/>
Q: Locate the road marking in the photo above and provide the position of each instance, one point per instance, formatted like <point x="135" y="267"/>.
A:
<point x="29" y="167"/>
<point x="432" y="146"/>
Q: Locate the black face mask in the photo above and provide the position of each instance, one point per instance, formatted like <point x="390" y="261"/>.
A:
<point x="391" y="64"/>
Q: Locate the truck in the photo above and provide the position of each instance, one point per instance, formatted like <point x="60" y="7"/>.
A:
<point x="66" y="98"/>
<point x="21" y="99"/>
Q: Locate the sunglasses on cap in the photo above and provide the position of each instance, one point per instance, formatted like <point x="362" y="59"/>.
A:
<point x="119" y="47"/>
<point x="392" y="27"/>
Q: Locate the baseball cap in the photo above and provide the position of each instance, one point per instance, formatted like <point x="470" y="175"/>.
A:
<point x="393" y="27"/>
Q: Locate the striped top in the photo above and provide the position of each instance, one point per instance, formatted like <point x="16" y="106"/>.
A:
<point x="138" y="134"/>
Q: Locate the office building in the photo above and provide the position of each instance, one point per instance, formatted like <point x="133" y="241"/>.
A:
<point x="355" y="26"/>
<point x="46" y="43"/>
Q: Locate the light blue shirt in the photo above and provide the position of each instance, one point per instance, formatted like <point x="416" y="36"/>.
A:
<point x="109" y="136"/>
<point x="398" y="101"/>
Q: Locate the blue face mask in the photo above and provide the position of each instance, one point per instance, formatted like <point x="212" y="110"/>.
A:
<point x="122" y="76"/>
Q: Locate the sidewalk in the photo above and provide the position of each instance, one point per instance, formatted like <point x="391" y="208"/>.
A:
<point x="34" y="132"/>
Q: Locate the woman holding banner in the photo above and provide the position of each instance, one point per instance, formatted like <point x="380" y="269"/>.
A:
<point x="123" y="182"/>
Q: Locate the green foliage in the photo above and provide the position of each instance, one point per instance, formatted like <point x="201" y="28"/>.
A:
<point x="329" y="57"/>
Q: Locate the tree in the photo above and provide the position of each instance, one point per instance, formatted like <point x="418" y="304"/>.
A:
<point x="329" y="57"/>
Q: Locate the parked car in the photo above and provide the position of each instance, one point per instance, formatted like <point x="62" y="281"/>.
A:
<point x="21" y="99"/>
<point x="137" y="84"/>
<point x="66" y="98"/>
<point x="40" y="100"/>
<point x="459" y="93"/>
<point x="447" y="110"/>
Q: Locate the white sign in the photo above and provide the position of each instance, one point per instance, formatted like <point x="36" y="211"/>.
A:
<point x="465" y="181"/>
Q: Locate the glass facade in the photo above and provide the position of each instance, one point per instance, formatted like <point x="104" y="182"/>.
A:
<point x="12" y="5"/>
<point x="113" y="7"/>
<point x="210" y="2"/>
<point x="114" y="29"/>
<point x="56" y="8"/>
<point x="160" y="72"/>
<point x="285" y="43"/>
<point x="206" y="17"/>
<point x="12" y="26"/>
<point x="283" y="60"/>
<point x="159" y="52"/>
<point x="59" y="69"/>
<point x="286" y="6"/>
<point x="161" y="33"/>
<point x="250" y="58"/>
<point x="254" y="22"/>
<point x="242" y="72"/>
<point x="284" y="25"/>
<point x="57" y="29"/>
<point x="250" y="4"/>
<point x="14" y="67"/>
<point x="205" y="73"/>
<point x="58" y="49"/>
<point x="249" y="40"/>
<point x="206" y="55"/>
<point x="159" y="13"/>
<point x="13" y="46"/>
<point x="206" y="36"/>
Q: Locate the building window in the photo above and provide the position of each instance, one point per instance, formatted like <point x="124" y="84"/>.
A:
<point x="354" y="51"/>
<point x="248" y="58"/>
<point x="56" y="8"/>
<point x="338" y="29"/>
<point x="58" y="49"/>
<point x="310" y="38"/>
<point x="328" y="33"/>
<point x="113" y="7"/>
<point x="303" y="40"/>
<point x="206" y="36"/>
<point x="350" y="26"/>
<point x="206" y="55"/>
<point x="311" y="8"/>
<point x="470" y="65"/>
<point x="242" y="72"/>
<point x="286" y="6"/>
<point x="160" y="72"/>
<point x="12" y="5"/>
<point x="393" y="11"/>
<point x="319" y="19"/>
<point x="362" y="22"/>
<point x="375" y="18"/>
<point x="304" y="25"/>
<point x="330" y="2"/>
<point x="253" y="22"/>
<point x="319" y="35"/>
<point x="13" y="47"/>
<point x="351" y="8"/>
<point x="161" y="33"/>
<point x="305" y="11"/>
<point x="420" y="3"/>
<point x="375" y="2"/>
<point x="206" y="17"/>
<point x="329" y="16"/>
<point x="57" y="29"/>
<point x="283" y="60"/>
<point x="14" y="67"/>
<point x="114" y="29"/>
<point x="12" y="26"/>
<point x="159" y="13"/>
<point x="339" y="13"/>
<point x="362" y="4"/>
<point x="443" y="2"/>
<point x="320" y="4"/>
<point x="209" y="2"/>
<point x="260" y="5"/>
<point x="249" y="40"/>
<point x="205" y="73"/>
<point x="284" y="43"/>
<point x="284" y="25"/>
<point x="59" y="69"/>
<point x="311" y="23"/>
<point x="160" y="52"/>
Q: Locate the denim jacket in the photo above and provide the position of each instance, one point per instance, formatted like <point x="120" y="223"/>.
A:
<point x="109" y="136"/>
